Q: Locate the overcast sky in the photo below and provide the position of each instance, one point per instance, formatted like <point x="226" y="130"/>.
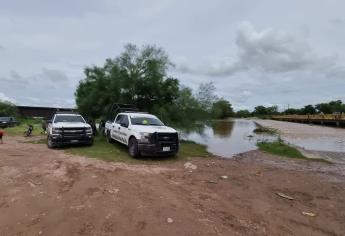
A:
<point x="266" y="52"/>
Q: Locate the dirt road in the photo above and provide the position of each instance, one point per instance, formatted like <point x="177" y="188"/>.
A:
<point x="45" y="192"/>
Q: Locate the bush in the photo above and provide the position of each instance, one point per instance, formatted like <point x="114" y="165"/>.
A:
<point x="8" y="109"/>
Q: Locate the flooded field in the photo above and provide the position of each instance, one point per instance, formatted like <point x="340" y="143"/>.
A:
<point x="310" y="137"/>
<point x="228" y="137"/>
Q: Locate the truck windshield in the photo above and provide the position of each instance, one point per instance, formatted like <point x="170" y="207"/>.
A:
<point x="146" y="121"/>
<point x="4" y="118"/>
<point x="68" y="118"/>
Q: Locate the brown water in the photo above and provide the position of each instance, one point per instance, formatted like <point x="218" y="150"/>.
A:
<point x="228" y="137"/>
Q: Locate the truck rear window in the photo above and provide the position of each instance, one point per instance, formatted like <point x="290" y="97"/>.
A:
<point x="146" y="121"/>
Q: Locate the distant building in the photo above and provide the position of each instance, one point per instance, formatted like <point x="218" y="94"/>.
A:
<point x="42" y="112"/>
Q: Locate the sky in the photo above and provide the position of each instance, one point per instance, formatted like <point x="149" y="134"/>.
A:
<point x="256" y="52"/>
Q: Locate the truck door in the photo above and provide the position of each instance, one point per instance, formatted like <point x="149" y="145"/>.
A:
<point x="115" y="128"/>
<point x="123" y="129"/>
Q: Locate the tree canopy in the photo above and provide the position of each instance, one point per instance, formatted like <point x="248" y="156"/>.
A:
<point x="222" y="109"/>
<point x="8" y="109"/>
<point x="327" y="108"/>
<point x="139" y="76"/>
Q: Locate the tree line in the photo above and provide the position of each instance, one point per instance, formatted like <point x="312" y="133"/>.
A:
<point x="139" y="76"/>
<point x="326" y="108"/>
<point x="8" y="109"/>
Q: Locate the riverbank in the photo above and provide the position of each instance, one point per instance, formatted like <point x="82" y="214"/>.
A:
<point x="50" y="192"/>
<point x="313" y="141"/>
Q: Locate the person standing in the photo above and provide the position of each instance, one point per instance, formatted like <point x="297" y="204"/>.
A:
<point x="2" y="133"/>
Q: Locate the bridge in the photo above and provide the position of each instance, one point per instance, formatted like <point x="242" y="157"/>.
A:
<point x="327" y="119"/>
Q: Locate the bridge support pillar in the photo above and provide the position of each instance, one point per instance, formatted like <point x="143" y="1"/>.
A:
<point x="337" y="123"/>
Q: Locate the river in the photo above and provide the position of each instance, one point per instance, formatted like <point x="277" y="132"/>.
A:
<point x="226" y="138"/>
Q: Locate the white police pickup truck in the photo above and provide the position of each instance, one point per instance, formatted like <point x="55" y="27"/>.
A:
<point x="144" y="134"/>
<point x="68" y="128"/>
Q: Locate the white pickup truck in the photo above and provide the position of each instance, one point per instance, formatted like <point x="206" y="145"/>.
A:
<point x="68" y="128"/>
<point x="144" y="134"/>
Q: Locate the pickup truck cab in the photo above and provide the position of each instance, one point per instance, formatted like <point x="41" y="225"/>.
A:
<point x="68" y="128"/>
<point x="143" y="134"/>
<point x="8" y="121"/>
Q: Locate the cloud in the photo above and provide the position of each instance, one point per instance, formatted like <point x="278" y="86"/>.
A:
<point x="3" y="97"/>
<point x="268" y="50"/>
<point x="337" y="22"/>
<point x="46" y="78"/>
<point x="47" y="88"/>
<point x="55" y="76"/>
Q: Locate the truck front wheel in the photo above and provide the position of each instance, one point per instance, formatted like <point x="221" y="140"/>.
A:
<point x="133" y="149"/>
<point x="50" y="143"/>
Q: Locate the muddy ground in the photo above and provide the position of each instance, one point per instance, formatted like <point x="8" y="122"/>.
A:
<point x="47" y="192"/>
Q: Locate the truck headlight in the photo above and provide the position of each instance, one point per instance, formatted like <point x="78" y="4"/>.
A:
<point x="145" y="137"/>
<point x="56" y="130"/>
<point x="89" y="130"/>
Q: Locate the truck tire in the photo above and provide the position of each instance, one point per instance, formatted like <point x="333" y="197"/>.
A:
<point x="50" y="144"/>
<point x="90" y="143"/>
<point x="109" y="139"/>
<point x="133" y="149"/>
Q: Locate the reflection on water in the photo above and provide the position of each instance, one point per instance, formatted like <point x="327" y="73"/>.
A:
<point x="228" y="137"/>
<point x="222" y="129"/>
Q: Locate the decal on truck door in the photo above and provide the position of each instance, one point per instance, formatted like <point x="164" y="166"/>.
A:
<point x="116" y="127"/>
<point x="124" y="123"/>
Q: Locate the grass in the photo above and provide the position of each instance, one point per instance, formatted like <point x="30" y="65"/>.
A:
<point x="118" y="152"/>
<point x="279" y="148"/>
<point x="101" y="150"/>
<point x="261" y="129"/>
<point x="19" y="130"/>
<point x="192" y="149"/>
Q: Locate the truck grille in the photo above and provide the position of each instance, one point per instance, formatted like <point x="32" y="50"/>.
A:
<point x="165" y="140"/>
<point x="167" y="137"/>
<point x="73" y="131"/>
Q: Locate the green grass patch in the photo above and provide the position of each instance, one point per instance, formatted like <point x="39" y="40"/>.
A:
<point x="261" y="129"/>
<point x="279" y="148"/>
<point x="101" y="149"/>
<point x="192" y="149"/>
<point x="19" y="130"/>
<point x="118" y="152"/>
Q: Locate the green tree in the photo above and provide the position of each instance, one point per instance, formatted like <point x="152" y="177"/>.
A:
<point x="265" y="111"/>
<point x="136" y="76"/>
<point x="243" y="113"/>
<point x="139" y="76"/>
<point x="325" y="108"/>
<point x="8" y="109"/>
<point x="206" y="95"/>
<point x="293" y="111"/>
<point x="222" y="109"/>
<point x="308" y="110"/>
<point x="260" y="110"/>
